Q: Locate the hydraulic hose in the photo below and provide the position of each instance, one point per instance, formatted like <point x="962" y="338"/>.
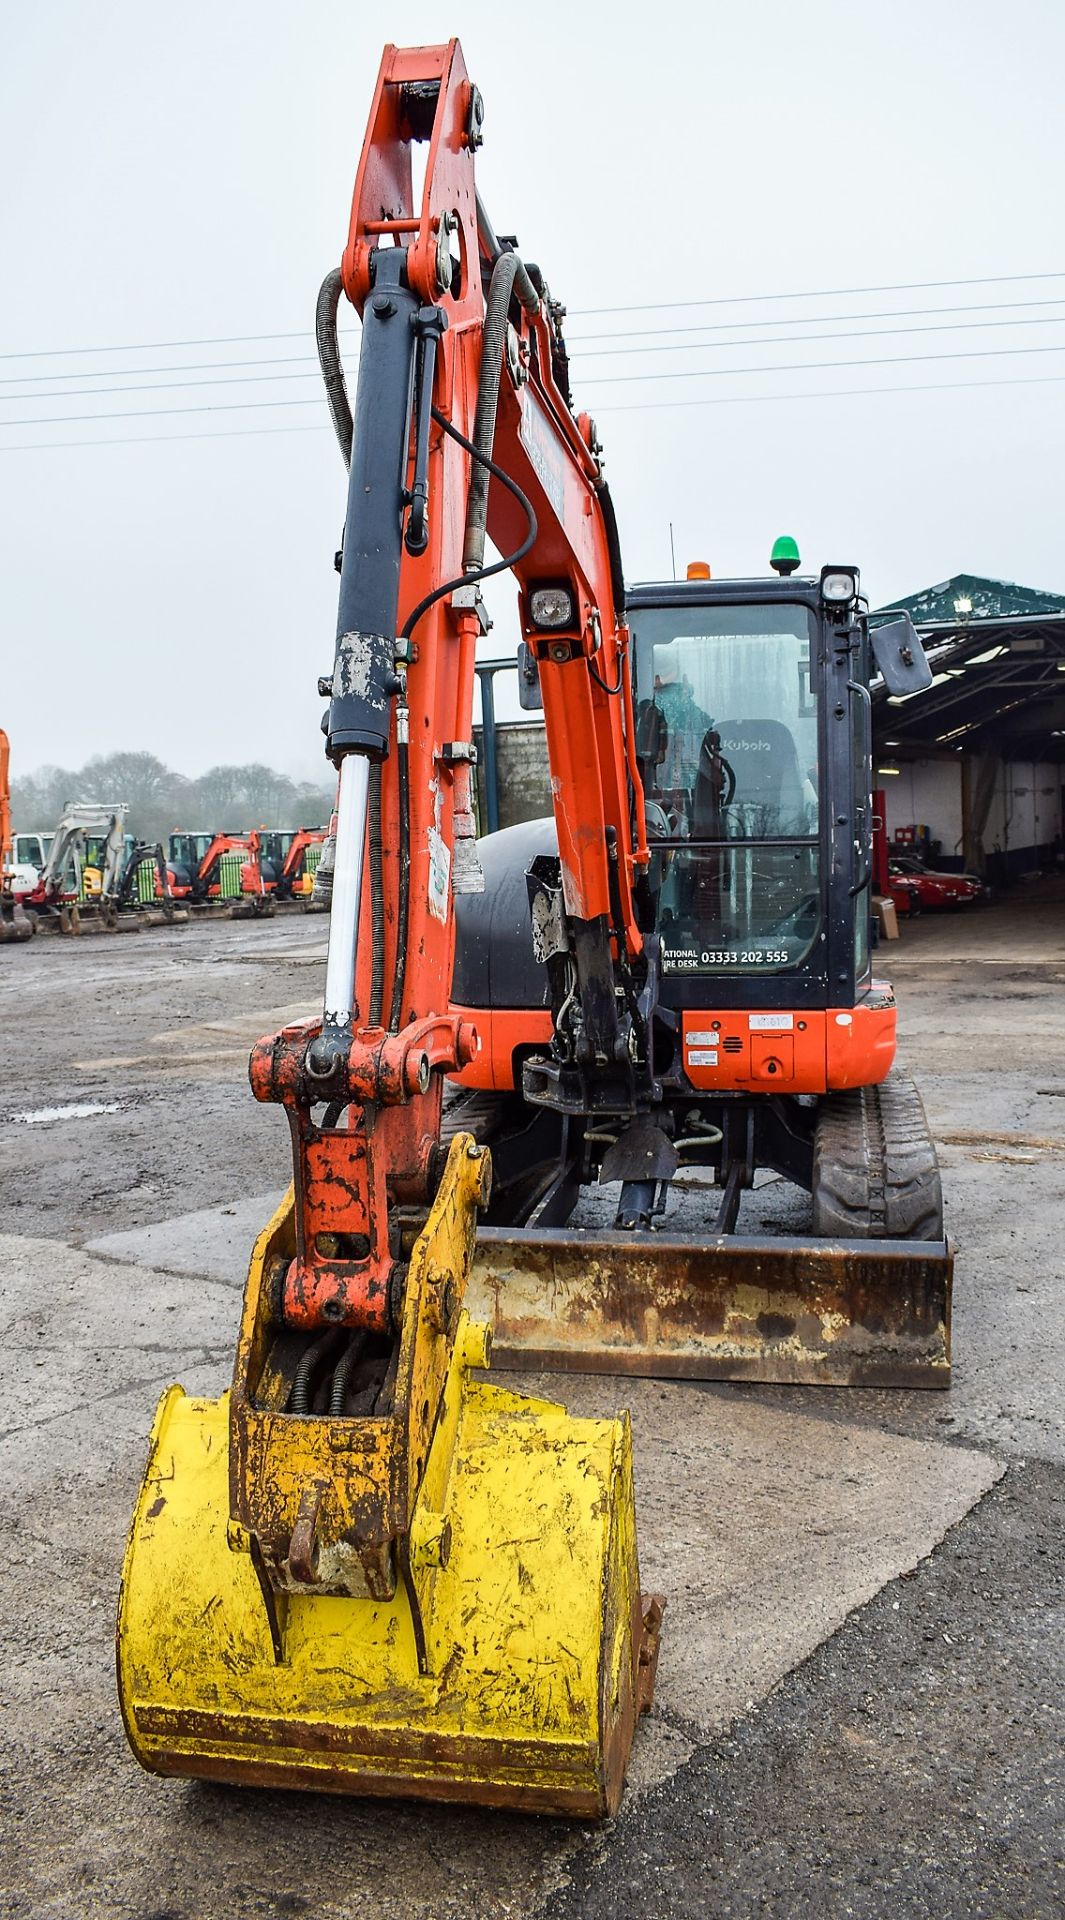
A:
<point x="471" y="577"/>
<point x="299" y="1400"/>
<point x="613" y="543"/>
<point x="494" y="251"/>
<point x="377" y="905"/>
<point x="463" y="580"/>
<point x="325" y="333"/>
<point x="508" y="275"/>
<point x="399" y="973"/>
<point x="342" y="1373"/>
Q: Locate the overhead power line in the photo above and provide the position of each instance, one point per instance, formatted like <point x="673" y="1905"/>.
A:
<point x="799" y="339"/>
<point x="257" y="379"/>
<point x="789" y="320"/>
<point x="580" y="339"/>
<point x="153" y="386"/>
<point x="596" y="380"/>
<point x="811" y="366"/>
<point x="829" y="293"/>
<point x="159" y="439"/>
<point x="658" y="306"/>
<point x="190" y="366"/>
<point x="154" y="413"/>
<point x="635" y="406"/>
<point x="826" y="393"/>
<point x="156" y="346"/>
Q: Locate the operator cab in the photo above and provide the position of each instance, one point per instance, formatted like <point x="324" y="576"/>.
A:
<point x="754" y="748"/>
<point x="752" y="733"/>
<point x="727" y="725"/>
<point x="185" y="851"/>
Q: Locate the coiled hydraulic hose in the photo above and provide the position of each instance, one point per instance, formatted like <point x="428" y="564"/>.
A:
<point x="299" y="1400"/>
<point x="508" y="273"/>
<point x="342" y="1373"/>
<point x="377" y="905"/>
<point x="466" y="579"/>
<point x="325" y="333"/>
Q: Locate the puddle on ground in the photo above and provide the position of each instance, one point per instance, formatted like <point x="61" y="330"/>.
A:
<point x="77" y="1110"/>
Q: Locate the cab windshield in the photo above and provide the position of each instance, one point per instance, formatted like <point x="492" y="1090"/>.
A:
<point x="188" y="849"/>
<point x="726" y="723"/>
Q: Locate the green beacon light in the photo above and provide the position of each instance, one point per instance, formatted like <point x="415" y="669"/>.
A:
<point x="785" y="555"/>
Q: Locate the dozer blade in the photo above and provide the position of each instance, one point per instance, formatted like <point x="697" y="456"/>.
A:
<point x="821" y="1313"/>
<point x="511" y="1659"/>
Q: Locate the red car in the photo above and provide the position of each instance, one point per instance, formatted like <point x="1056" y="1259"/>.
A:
<point x="907" y="875"/>
<point x="902" y="888"/>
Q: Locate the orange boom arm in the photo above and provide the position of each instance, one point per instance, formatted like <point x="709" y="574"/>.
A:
<point x="462" y="427"/>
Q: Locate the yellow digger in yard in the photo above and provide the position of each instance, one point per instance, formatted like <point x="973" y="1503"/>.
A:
<point x="366" y="1567"/>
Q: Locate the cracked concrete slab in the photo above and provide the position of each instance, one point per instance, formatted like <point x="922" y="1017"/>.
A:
<point x="766" y="1528"/>
<point x="215" y="1242"/>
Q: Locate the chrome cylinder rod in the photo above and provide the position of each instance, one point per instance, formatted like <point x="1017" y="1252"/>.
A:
<point x="347" y="890"/>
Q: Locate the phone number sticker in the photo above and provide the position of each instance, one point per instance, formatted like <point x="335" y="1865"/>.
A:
<point x="695" y="959"/>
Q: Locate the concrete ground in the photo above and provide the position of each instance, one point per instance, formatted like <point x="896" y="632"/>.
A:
<point x="860" y="1705"/>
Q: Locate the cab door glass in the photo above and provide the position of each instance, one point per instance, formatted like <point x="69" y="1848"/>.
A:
<point x="727" y="741"/>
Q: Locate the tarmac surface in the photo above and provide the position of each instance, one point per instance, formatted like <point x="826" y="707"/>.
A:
<point x="860" y="1703"/>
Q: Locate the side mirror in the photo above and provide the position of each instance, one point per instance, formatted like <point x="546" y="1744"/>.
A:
<point x="900" y="656"/>
<point x="530" y="697"/>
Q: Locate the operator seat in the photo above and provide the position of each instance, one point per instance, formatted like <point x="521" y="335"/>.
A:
<point x="768" y="799"/>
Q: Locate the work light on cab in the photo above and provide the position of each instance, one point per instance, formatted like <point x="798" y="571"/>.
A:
<point x="839" y="586"/>
<point x="551" y="607"/>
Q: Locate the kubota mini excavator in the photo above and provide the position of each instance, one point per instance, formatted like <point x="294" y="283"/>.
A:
<point x="220" y="870"/>
<point x="289" y="861"/>
<point x="364" y="1569"/>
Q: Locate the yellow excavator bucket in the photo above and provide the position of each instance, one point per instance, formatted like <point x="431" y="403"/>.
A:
<point x="510" y="1660"/>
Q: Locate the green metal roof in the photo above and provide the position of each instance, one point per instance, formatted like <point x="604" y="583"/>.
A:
<point x="991" y="599"/>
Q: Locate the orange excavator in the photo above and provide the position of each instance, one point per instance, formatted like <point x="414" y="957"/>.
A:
<point x="289" y="860"/>
<point x="15" y="923"/>
<point x="368" y="1568"/>
<point x="218" y="869"/>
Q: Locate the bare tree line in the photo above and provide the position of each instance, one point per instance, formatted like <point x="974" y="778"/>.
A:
<point x="160" y="801"/>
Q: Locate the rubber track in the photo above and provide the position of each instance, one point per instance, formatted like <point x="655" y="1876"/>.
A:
<point x="477" y="1111"/>
<point x="876" y="1175"/>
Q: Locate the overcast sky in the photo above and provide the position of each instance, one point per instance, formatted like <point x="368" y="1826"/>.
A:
<point x="178" y="174"/>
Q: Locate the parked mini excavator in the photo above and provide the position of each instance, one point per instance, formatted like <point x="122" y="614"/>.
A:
<point x="289" y="860"/>
<point x="218" y="870"/>
<point x="83" y="868"/>
<point x="15" y="923"/>
<point x="366" y="1568"/>
<point x="97" y="875"/>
